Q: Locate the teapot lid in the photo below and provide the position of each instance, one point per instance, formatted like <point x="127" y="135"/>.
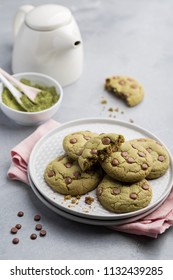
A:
<point x="48" y="17"/>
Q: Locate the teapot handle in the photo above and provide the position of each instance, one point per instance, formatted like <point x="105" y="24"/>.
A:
<point x="19" y="17"/>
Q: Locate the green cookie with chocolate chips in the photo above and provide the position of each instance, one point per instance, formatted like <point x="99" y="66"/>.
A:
<point x="73" y="143"/>
<point x="65" y="176"/>
<point x="159" y="155"/>
<point x="130" y="163"/>
<point x="119" y="197"/>
<point x="98" y="148"/>
<point x="126" y="88"/>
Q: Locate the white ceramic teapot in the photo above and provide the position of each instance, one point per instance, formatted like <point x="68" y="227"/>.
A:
<point x="47" y="40"/>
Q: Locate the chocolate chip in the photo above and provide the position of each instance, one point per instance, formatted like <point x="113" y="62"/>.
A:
<point x="114" y="162"/>
<point x="122" y="82"/>
<point x="37" y="217"/>
<point x="145" y="187"/>
<point x="43" y="232"/>
<point x="14" y="230"/>
<point x="68" y="164"/>
<point x="38" y="227"/>
<point x="134" y="86"/>
<point x="134" y="146"/>
<point x="144" y="166"/>
<point x="130" y="160"/>
<point x="18" y="226"/>
<point x="149" y="150"/>
<point x="161" y="158"/>
<point x="73" y="140"/>
<point x="79" y="152"/>
<point x="77" y="174"/>
<point x="116" y="191"/>
<point x="133" y="196"/>
<point x="33" y="236"/>
<point x="124" y="154"/>
<point x="94" y="151"/>
<point x="99" y="191"/>
<point x="86" y="137"/>
<point x="68" y="180"/>
<point x="106" y="141"/>
<point x="141" y="154"/>
<point x="15" y="240"/>
<point x="20" y="214"/>
<point x="50" y="173"/>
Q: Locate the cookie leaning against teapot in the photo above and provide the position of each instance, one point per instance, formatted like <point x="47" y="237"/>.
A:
<point x="117" y="169"/>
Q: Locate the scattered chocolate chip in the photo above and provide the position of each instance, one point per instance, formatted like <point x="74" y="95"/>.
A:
<point x="133" y="196"/>
<point x="20" y="214"/>
<point x="14" y="230"/>
<point x="106" y="141"/>
<point x="130" y="160"/>
<point x="144" y="166"/>
<point x="161" y="158"/>
<point x="15" y="240"/>
<point x="37" y="217"/>
<point x="68" y="180"/>
<point x="33" y="236"/>
<point x="38" y="227"/>
<point x="114" y="162"/>
<point x="18" y="226"/>
<point x="73" y="141"/>
<point x="43" y="232"/>
<point x="116" y="191"/>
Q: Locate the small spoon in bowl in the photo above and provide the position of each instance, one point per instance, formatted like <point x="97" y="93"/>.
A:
<point x="17" y="94"/>
<point x="30" y="92"/>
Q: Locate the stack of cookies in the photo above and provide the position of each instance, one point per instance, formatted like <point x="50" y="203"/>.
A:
<point x="119" y="170"/>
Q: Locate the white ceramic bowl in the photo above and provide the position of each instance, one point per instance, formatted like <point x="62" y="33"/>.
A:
<point x="33" y="118"/>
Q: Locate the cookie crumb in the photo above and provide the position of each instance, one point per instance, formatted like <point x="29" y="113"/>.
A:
<point x="89" y="200"/>
<point x="67" y="197"/>
<point x="104" y="101"/>
<point x="110" y="109"/>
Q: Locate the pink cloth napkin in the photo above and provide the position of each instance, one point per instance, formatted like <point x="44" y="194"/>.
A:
<point x="152" y="225"/>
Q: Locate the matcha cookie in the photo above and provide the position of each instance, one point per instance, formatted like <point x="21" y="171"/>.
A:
<point x="64" y="176"/>
<point x="73" y="143"/>
<point x="121" y="197"/>
<point x="159" y="155"/>
<point x="98" y="148"/>
<point x="126" y="88"/>
<point x="130" y="163"/>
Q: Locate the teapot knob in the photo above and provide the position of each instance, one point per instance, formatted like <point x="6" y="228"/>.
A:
<point x="20" y="17"/>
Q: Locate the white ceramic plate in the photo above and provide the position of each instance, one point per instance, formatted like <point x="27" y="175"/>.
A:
<point x="50" y="146"/>
<point x="86" y="220"/>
